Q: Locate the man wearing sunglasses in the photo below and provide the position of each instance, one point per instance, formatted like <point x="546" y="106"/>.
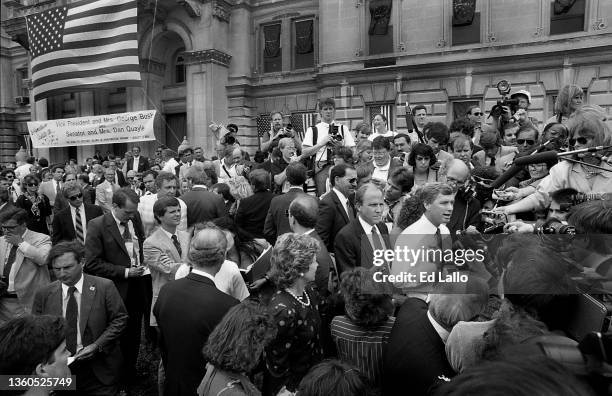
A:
<point x="526" y="139"/>
<point x="70" y="223"/>
<point x="475" y="115"/>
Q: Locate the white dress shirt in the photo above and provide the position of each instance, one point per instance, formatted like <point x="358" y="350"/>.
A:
<point x="343" y="201"/>
<point x="382" y="172"/>
<point x="322" y="131"/>
<point x="81" y="210"/>
<point x="135" y="165"/>
<point x="77" y="296"/>
<point x="425" y="227"/>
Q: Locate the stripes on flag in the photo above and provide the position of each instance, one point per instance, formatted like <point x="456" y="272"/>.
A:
<point x="84" y="45"/>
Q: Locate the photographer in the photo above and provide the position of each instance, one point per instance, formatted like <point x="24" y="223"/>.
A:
<point x="511" y="110"/>
<point x="278" y="132"/>
<point x="586" y="131"/>
<point x="320" y="141"/>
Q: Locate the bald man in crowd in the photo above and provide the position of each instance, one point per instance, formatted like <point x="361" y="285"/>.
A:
<point x="466" y="210"/>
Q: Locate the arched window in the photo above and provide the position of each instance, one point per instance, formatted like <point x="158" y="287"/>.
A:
<point x="180" y="72"/>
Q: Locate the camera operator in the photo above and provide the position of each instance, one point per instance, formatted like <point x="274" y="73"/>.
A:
<point x="586" y="131"/>
<point x="320" y="141"/>
<point x="513" y="110"/>
<point x="278" y="132"/>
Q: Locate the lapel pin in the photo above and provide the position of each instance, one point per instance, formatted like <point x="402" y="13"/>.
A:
<point x="92" y="288"/>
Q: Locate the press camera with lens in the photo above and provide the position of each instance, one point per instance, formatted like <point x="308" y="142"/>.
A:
<point x="335" y="134"/>
<point x="504" y="88"/>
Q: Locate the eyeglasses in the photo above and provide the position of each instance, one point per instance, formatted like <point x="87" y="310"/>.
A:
<point x="32" y="184"/>
<point x="75" y="197"/>
<point x="478" y="114"/>
<point x="582" y="140"/>
<point x="523" y="141"/>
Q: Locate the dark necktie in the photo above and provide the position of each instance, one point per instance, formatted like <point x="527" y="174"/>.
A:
<point x="9" y="262"/>
<point x="78" y="225"/>
<point x="72" y="314"/>
<point x="377" y="239"/>
<point x="177" y="245"/>
<point x="439" y="238"/>
<point x="349" y="210"/>
<point x="127" y="236"/>
<point x="57" y="184"/>
<point x="492" y="161"/>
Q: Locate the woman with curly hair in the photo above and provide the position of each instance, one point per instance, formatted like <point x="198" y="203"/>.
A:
<point x="362" y="333"/>
<point x="295" y="313"/>
<point x="35" y="204"/>
<point x="422" y="159"/>
<point x="234" y="349"/>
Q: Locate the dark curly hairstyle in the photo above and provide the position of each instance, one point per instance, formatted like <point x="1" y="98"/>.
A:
<point x="238" y="341"/>
<point x="462" y="125"/>
<point x="366" y="302"/>
<point x="291" y="256"/>
<point x="423" y="150"/>
<point x="334" y="377"/>
<point x="412" y="209"/>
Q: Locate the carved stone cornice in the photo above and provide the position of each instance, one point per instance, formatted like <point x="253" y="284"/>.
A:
<point x="192" y="8"/>
<point x="221" y="10"/>
<point x="153" y="67"/>
<point x="207" y="56"/>
<point x="15" y="25"/>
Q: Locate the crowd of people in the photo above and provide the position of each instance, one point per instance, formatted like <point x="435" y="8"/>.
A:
<point x="263" y="276"/>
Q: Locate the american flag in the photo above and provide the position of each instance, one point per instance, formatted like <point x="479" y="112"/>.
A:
<point x="84" y="45"/>
<point x="264" y="123"/>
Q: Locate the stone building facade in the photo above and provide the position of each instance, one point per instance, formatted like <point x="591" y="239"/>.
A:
<point x="207" y="61"/>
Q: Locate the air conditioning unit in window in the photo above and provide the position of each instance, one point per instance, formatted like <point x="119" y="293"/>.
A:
<point x="22" y="100"/>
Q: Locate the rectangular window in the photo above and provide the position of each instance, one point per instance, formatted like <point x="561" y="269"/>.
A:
<point x="386" y="109"/>
<point x="272" y="52"/>
<point x="460" y="108"/>
<point x="380" y="31"/>
<point x="303" y="45"/>
<point x="466" y="22"/>
<point x="567" y="17"/>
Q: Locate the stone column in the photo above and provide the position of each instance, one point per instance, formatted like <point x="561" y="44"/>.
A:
<point x="149" y="97"/>
<point x="206" y="101"/>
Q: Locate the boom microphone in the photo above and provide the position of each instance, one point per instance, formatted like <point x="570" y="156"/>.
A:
<point x="550" y="156"/>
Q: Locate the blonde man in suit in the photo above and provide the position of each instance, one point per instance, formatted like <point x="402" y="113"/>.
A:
<point x="105" y="190"/>
<point x="53" y="187"/>
<point x="23" y="255"/>
<point x="166" y="249"/>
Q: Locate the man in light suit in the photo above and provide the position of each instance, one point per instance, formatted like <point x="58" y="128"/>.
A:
<point x="166" y="249"/>
<point x="105" y="190"/>
<point x="24" y="270"/>
<point x="95" y="318"/>
<point x="65" y="227"/>
<point x="356" y="242"/>
<point x="54" y="186"/>
<point x="277" y="220"/>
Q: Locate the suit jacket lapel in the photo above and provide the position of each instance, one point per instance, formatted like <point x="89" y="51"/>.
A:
<point x="340" y="207"/>
<point x="112" y="226"/>
<point x="55" y="301"/>
<point x="87" y="297"/>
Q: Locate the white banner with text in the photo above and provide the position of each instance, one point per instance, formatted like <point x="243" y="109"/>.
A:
<point x="101" y="129"/>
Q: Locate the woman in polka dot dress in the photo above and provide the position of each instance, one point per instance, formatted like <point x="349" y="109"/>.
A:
<point x="295" y="312"/>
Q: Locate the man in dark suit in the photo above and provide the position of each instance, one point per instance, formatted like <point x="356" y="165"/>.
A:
<point x="252" y="211"/>
<point x="71" y="223"/>
<point x="114" y="247"/>
<point x="356" y="242"/>
<point x="302" y="217"/>
<point x="187" y="310"/>
<point x="5" y="203"/>
<point x="416" y="358"/>
<point x="95" y="318"/>
<point x="202" y="205"/>
<point x="335" y="208"/>
<point x="277" y="220"/>
<point x="136" y="162"/>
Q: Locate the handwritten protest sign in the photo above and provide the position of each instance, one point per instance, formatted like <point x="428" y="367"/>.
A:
<point x="102" y="129"/>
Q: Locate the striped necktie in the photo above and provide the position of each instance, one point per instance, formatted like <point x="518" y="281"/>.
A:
<point x="78" y="225"/>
